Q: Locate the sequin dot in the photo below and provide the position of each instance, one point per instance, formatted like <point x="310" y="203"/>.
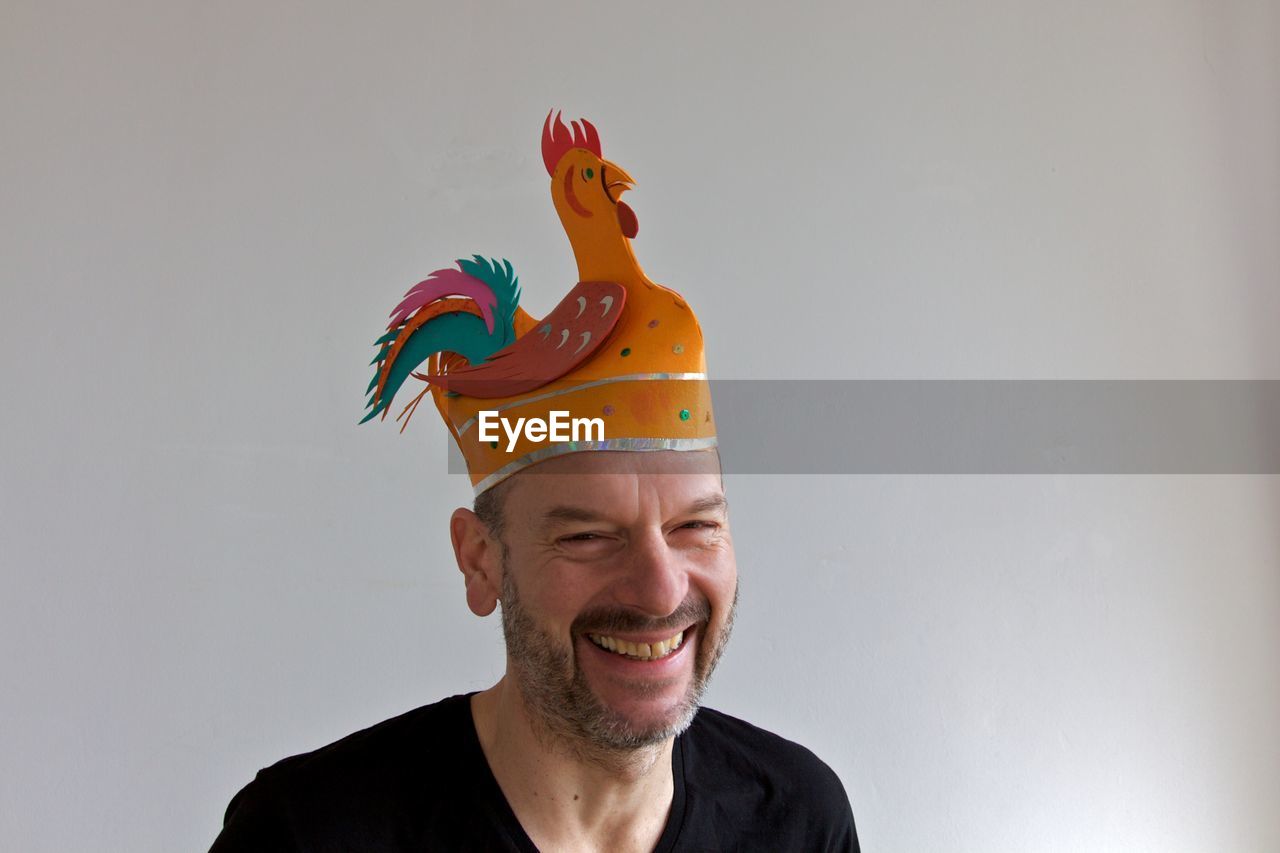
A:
<point x="626" y="351"/>
<point x="653" y="324"/>
<point x="452" y="394"/>
<point x="608" y="410"/>
<point x="677" y="349"/>
<point x="494" y="445"/>
<point x="684" y="414"/>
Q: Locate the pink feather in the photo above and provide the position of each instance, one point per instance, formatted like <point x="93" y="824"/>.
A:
<point x="442" y="283"/>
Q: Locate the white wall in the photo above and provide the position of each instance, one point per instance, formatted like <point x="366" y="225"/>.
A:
<point x="208" y="209"/>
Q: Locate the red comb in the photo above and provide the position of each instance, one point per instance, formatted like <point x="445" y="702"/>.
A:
<point x="558" y="140"/>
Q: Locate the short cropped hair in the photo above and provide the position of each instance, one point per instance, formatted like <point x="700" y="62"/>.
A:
<point x="489" y="506"/>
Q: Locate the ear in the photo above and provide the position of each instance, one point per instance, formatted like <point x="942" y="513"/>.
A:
<point x="479" y="559"/>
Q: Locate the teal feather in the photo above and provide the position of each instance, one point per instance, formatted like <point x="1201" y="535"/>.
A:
<point x="459" y="332"/>
<point x="501" y="279"/>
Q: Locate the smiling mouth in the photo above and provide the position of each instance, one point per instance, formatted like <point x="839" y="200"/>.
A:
<point x="639" y="651"/>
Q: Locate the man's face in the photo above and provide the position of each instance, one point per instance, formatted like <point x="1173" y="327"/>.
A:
<point x="619" y="588"/>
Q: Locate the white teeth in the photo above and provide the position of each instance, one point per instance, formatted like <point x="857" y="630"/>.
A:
<point x="642" y="651"/>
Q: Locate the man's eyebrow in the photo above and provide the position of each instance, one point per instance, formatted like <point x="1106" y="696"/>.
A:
<point x="568" y="514"/>
<point x="565" y="514"/>
<point x="711" y="503"/>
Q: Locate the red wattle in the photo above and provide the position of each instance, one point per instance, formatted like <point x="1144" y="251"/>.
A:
<point x="627" y="219"/>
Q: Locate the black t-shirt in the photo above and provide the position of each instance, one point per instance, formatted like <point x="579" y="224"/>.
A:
<point x="420" y="781"/>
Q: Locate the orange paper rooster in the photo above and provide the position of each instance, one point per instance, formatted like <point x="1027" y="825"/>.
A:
<point x="612" y="346"/>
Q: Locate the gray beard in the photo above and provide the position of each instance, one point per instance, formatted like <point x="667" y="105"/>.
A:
<point x="556" y="691"/>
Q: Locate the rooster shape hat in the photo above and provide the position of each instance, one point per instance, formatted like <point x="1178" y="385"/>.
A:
<point x="618" y="349"/>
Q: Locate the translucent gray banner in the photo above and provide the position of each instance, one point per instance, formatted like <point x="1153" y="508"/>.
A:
<point x="995" y="427"/>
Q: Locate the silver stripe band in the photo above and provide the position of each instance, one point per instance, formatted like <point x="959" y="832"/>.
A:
<point x="551" y="451"/>
<point x="630" y="377"/>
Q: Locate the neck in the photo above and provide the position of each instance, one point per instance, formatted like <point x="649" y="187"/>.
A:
<point x="569" y="795"/>
<point x="607" y="259"/>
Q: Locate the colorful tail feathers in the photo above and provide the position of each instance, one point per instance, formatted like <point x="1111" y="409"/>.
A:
<point x="472" y="311"/>
<point x="443" y="283"/>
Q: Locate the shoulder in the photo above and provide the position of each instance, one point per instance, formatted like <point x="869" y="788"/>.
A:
<point x="434" y="726"/>
<point x="380" y="754"/>
<point x="723" y="739"/>
<point x="744" y="769"/>
<point x="355" y="784"/>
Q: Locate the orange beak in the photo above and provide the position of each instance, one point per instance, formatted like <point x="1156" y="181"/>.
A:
<point x="616" y="180"/>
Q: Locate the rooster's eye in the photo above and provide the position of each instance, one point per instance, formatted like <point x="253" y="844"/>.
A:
<point x="588" y="173"/>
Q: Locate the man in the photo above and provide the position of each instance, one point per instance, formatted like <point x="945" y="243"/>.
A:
<point x="612" y="560"/>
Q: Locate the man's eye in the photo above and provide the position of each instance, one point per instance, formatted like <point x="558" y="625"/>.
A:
<point x="579" y="538"/>
<point x="588" y="546"/>
<point x="700" y="525"/>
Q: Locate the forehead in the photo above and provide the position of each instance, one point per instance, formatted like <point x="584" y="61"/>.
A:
<point x="620" y="481"/>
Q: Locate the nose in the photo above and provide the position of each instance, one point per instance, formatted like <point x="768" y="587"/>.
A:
<point x="657" y="579"/>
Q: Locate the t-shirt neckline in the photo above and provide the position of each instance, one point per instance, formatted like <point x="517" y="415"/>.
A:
<point x="511" y="825"/>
